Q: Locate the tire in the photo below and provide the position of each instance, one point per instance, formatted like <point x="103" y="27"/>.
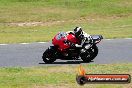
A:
<point x="95" y="53"/>
<point x="90" y="54"/>
<point x="48" y="56"/>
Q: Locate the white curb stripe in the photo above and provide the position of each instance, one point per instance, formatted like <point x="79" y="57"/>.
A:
<point x="41" y="42"/>
<point x="127" y="38"/>
<point x="24" y="43"/>
<point x="46" y="42"/>
<point x="114" y="39"/>
<point x="3" y="44"/>
<point x="108" y="39"/>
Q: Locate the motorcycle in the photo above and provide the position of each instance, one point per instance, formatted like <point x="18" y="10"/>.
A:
<point x="88" y="51"/>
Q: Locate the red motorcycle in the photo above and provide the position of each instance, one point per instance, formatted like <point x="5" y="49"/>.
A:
<point x="65" y="43"/>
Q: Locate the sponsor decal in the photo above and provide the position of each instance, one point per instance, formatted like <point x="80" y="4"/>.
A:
<point x="83" y="78"/>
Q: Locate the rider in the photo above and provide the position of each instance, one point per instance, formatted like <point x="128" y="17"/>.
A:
<point x="80" y="35"/>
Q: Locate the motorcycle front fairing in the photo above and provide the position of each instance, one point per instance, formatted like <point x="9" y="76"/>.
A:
<point x="58" y="41"/>
<point x="64" y="41"/>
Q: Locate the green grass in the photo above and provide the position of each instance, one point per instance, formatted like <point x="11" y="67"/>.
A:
<point x="59" y="76"/>
<point x="111" y="18"/>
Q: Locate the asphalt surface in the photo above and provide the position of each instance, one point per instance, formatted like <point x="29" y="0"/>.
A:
<point x="25" y="55"/>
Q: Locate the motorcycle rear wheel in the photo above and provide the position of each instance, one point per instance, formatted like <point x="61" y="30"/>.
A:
<point x="48" y="56"/>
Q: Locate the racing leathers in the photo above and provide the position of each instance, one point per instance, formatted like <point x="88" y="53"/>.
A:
<point x="84" y="37"/>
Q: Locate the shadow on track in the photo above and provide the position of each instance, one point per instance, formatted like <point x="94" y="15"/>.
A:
<point x="68" y="62"/>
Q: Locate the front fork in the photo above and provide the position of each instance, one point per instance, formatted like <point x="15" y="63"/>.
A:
<point x="86" y="47"/>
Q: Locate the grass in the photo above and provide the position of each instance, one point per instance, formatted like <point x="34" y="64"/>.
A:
<point x="110" y="18"/>
<point x="59" y="76"/>
<point x="40" y="20"/>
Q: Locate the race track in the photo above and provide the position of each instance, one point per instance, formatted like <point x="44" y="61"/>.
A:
<point x="25" y="55"/>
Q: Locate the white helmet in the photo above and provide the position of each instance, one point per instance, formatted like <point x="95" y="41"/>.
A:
<point x="78" y="32"/>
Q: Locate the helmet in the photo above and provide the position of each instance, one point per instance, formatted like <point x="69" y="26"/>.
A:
<point x="78" y="32"/>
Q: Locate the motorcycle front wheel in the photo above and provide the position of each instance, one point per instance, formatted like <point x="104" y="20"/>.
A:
<point x="48" y="56"/>
<point x="90" y="54"/>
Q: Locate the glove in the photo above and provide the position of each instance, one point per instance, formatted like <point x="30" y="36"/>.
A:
<point x="76" y="45"/>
